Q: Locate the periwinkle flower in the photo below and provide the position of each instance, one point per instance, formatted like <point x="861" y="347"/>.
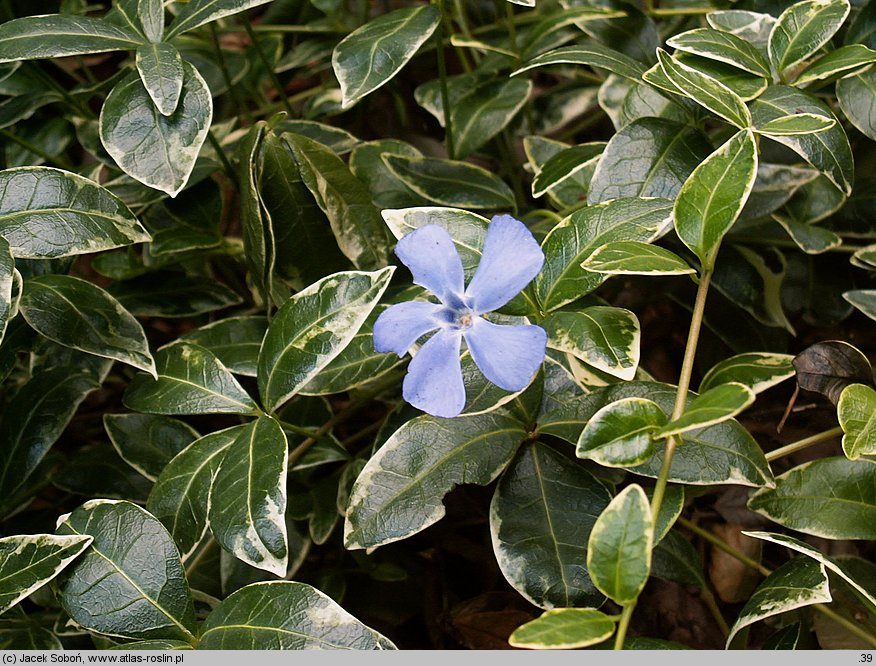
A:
<point x="508" y="356"/>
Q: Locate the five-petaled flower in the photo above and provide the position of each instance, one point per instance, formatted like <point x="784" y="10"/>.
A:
<point x="508" y="356"/>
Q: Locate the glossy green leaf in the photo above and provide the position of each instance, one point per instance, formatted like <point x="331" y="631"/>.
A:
<point x="283" y="615"/>
<point x="451" y="183"/>
<point x="129" y="582"/>
<point x="592" y="55"/>
<point x="371" y="55"/>
<point x="76" y="313"/>
<point x="248" y="497"/>
<point x="635" y="258"/>
<point x="713" y="196"/>
<point x="386" y="190"/>
<point x="607" y="338"/>
<point x="856" y="411"/>
<point x="798" y="123"/>
<point x="154" y="149"/>
<point x="855" y="97"/>
<point x="27" y="562"/>
<point x="838" y="63"/>
<point x="797" y="583"/>
<point x="98" y="471"/>
<point x="148" y="442"/>
<point x="57" y="35"/>
<point x="47" y="213"/>
<point x="180" y="496"/>
<point x="650" y="157"/>
<point x="400" y="490"/>
<point x="743" y="84"/>
<point x="562" y="279"/>
<point x="756" y="370"/>
<point x="564" y="165"/>
<point x="256" y="221"/>
<point x="172" y="294"/>
<point x="802" y="29"/>
<point x="620" y="434"/>
<point x="831" y="564"/>
<point x="563" y="629"/>
<point x="34" y="420"/>
<point x="863" y="299"/>
<point x="715" y="405"/>
<point x="191" y="380"/>
<point x="705" y="90"/>
<point x="722" y="46"/>
<point x="355" y="221"/>
<point x="235" y="341"/>
<point x="150" y="13"/>
<point x="540" y="518"/>
<point x="834" y="498"/>
<point x="827" y="151"/>
<point x="338" y="139"/>
<point x="356" y="365"/>
<point x="619" y="548"/>
<point x="312" y="328"/>
<point x="676" y="559"/>
<point x="161" y="72"/>
<point x="481" y="113"/>
<point x="753" y="27"/>
<point x="198" y="12"/>
<point x="722" y="453"/>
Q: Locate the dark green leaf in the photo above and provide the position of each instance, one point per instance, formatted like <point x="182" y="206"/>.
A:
<point x="675" y="559"/>
<point x="180" y="497"/>
<point x="802" y="29"/>
<point x="286" y="616"/>
<point x="47" y="213"/>
<point x="400" y="490"/>
<point x="58" y="35"/>
<point x="312" y="328"/>
<point x="540" y="518"/>
<point x="565" y="165"/>
<point x="198" y="12"/>
<point x="98" y="471"/>
<point x="619" y="548"/>
<point x="235" y="341"/>
<point x="171" y="294"/>
<point x="386" y="190"/>
<point x="593" y="55"/>
<point x="148" y="442"/>
<point x="855" y="96"/>
<point x="161" y="72"/>
<point x="481" y="113"/>
<point x="130" y="581"/>
<point x="28" y="562"/>
<point x="76" y="313"/>
<point x="834" y="498"/>
<point x="564" y="629"/>
<point x="191" y="380"/>
<point x="650" y="157"/>
<point x="336" y="138"/>
<point x="154" y="149"/>
<point x="371" y="55"/>
<point x="248" y="497"/>
<point x="839" y="63"/>
<point x="620" y="434"/>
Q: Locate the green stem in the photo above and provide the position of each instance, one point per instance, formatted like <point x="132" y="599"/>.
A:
<point x="52" y="160"/>
<point x="267" y="65"/>
<point x="226" y="163"/>
<point x="690" y="353"/>
<point x="804" y="443"/>
<point x="512" y="36"/>
<point x="709" y="599"/>
<point x="622" y="625"/>
<point x="442" y="76"/>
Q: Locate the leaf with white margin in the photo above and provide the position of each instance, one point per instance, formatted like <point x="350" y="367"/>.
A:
<point x="842" y="62"/>
<point x="635" y="258"/>
<point x="541" y="515"/>
<point x="248" y="496"/>
<point x="154" y="149"/>
<point x="757" y="370"/>
<point x="29" y="561"/>
<point x="58" y="35"/>
<point x="797" y="583"/>
<point x="809" y="551"/>
<point x="180" y="496"/>
<point x="834" y="498"/>
<point x="608" y="338"/>
<point x="374" y="53"/>
<point x="723" y="47"/>
<point x="198" y="12"/>
<point x="129" y="582"/>
<point x="564" y="629"/>
<point x="400" y="490"/>
<point x="161" y="72"/>
<point x="8" y="304"/>
<point x="713" y="406"/>
<point x="312" y="328"/>
<point x="856" y="411"/>
<point x="796" y="123"/>
<point x="620" y="434"/>
<point x="47" y="213"/>
<point x="283" y="615"/>
<point x="802" y="29"/>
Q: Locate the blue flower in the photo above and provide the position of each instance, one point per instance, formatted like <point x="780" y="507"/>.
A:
<point x="508" y="356"/>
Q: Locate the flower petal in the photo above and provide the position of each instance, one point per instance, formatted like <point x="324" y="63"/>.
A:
<point x="401" y="325"/>
<point x="509" y="356"/>
<point x="432" y="258"/>
<point x="434" y="379"/>
<point x="511" y="259"/>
